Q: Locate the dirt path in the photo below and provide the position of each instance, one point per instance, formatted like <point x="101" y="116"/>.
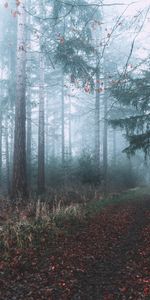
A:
<point x="108" y="259"/>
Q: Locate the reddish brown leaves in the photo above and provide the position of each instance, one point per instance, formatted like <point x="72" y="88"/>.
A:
<point x="87" y="87"/>
<point x="107" y="259"/>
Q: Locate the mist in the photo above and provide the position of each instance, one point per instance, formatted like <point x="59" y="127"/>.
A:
<point x="74" y="132"/>
<point x="62" y="69"/>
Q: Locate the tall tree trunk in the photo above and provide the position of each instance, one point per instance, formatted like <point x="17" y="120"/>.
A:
<point x="105" y="145"/>
<point x="0" y="147"/>
<point x="29" y="106"/>
<point x="11" y="141"/>
<point x="70" y="133"/>
<point x="1" y="121"/>
<point x="12" y="90"/>
<point x="97" y="122"/>
<point x="41" y="133"/>
<point x="19" y="178"/>
<point x="62" y="122"/>
<point x="54" y="136"/>
<point x="7" y="154"/>
<point x="47" y="139"/>
<point x="29" y="134"/>
<point x="114" y="147"/>
<point x="47" y="132"/>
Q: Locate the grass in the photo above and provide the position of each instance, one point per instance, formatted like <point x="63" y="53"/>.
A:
<point x="133" y="194"/>
<point x="35" y="224"/>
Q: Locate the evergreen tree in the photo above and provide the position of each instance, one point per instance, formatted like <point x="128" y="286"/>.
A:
<point x="133" y="93"/>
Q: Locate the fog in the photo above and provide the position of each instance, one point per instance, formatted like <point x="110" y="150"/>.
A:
<point x="74" y="95"/>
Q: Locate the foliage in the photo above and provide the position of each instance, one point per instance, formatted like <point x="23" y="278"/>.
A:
<point x="74" y="63"/>
<point x="134" y="92"/>
<point x="74" y="47"/>
<point x="81" y="171"/>
<point x="86" y="171"/>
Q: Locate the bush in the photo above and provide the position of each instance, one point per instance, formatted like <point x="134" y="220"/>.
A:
<point x="86" y="169"/>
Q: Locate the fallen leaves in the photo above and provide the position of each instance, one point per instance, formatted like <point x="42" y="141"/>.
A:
<point x="107" y="259"/>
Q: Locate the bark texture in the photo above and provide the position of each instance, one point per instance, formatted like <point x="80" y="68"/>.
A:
<point x="97" y="121"/>
<point x="19" y="180"/>
<point x="41" y="133"/>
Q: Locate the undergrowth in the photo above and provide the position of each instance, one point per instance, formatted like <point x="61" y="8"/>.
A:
<point x="37" y="223"/>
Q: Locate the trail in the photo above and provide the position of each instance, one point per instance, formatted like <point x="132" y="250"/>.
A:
<point x="108" y="259"/>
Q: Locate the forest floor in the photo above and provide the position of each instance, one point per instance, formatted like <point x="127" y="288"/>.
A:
<point x="105" y="257"/>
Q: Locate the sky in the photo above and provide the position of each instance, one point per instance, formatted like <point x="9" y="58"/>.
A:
<point x="111" y="12"/>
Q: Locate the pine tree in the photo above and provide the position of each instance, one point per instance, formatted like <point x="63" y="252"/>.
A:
<point x="133" y="93"/>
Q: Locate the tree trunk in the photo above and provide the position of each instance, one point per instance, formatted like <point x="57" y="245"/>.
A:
<point x="0" y="147"/>
<point x="7" y="154"/>
<point x="105" y="145"/>
<point x="29" y="134"/>
<point x="47" y="139"/>
<point x="12" y="90"/>
<point x="54" y="136"/>
<point x="1" y="121"/>
<point x="29" y="106"/>
<point x="19" y="180"/>
<point x="70" y="133"/>
<point x="97" y="122"/>
<point x="47" y="144"/>
<point x="114" y="147"/>
<point x="41" y="133"/>
<point x="62" y="122"/>
<point x="11" y="141"/>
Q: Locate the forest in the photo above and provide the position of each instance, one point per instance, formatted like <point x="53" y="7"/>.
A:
<point x="74" y="149"/>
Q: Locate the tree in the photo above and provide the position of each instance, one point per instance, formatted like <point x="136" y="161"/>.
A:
<point x="133" y="92"/>
<point x="62" y="122"/>
<point x="29" y="102"/>
<point x="1" y="119"/>
<point x="41" y="131"/>
<point x="105" y="143"/>
<point x="97" y="121"/>
<point x="19" y="178"/>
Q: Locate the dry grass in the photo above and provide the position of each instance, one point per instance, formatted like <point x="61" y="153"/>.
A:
<point x="24" y="225"/>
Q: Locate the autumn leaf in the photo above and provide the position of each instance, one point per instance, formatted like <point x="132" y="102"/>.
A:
<point x="87" y="87"/>
<point x="146" y="291"/>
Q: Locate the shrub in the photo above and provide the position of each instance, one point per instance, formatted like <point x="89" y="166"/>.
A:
<point x="86" y="169"/>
